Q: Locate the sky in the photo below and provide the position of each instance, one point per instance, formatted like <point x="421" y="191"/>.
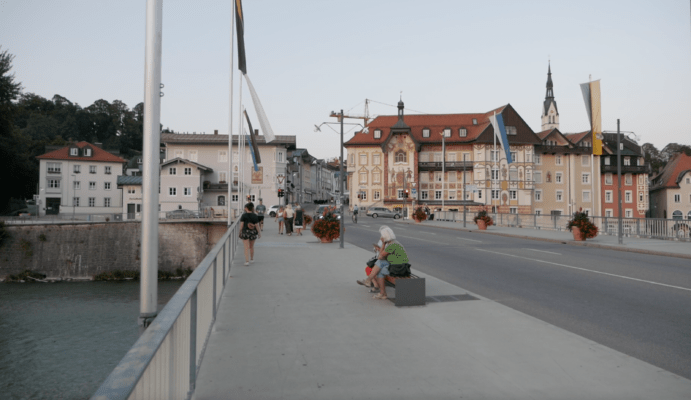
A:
<point x="307" y="58"/>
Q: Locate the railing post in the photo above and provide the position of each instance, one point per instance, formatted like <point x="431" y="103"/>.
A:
<point x="193" y="341"/>
<point x="224" y="264"/>
<point x="214" y="291"/>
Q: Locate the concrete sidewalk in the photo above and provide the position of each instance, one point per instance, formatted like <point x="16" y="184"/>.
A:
<point x="295" y="325"/>
<point x="672" y="248"/>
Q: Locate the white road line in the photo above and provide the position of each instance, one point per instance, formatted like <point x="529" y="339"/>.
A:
<point x="588" y="270"/>
<point x="470" y="240"/>
<point x="410" y="237"/>
<point x="543" y="251"/>
<point x="431" y="233"/>
<point x="366" y="226"/>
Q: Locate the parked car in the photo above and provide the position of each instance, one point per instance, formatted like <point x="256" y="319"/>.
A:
<point x="182" y="214"/>
<point x="376" y="212"/>
<point x="273" y="210"/>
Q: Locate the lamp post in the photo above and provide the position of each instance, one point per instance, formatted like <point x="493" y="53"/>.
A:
<point x="443" y="166"/>
<point x="74" y="178"/>
<point x="620" y="222"/>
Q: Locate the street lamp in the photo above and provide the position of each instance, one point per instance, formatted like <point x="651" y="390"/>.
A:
<point x="443" y="166"/>
<point x="74" y="178"/>
<point x="620" y="222"/>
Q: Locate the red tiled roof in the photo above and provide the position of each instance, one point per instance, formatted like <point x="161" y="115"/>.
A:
<point x="542" y="135"/>
<point x="576" y="137"/>
<point x="671" y="174"/>
<point x="98" y="154"/>
<point x="434" y="122"/>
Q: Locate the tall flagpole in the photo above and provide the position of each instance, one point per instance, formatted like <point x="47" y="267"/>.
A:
<point x="494" y="158"/>
<point x="241" y="155"/>
<point x="230" y="119"/>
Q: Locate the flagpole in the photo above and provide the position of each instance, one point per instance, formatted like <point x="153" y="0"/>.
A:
<point x="241" y="155"/>
<point x="230" y="119"/>
<point x="494" y="158"/>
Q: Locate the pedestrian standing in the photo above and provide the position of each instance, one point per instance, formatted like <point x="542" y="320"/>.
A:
<point x="280" y="219"/>
<point x="261" y="209"/>
<point x="298" y="220"/>
<point x="248" y="231"/>
<point x="289" y="214"/>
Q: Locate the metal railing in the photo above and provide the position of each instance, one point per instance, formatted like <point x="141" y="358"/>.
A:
<point x="655" y="228"/>
<point x="164" y="362"/>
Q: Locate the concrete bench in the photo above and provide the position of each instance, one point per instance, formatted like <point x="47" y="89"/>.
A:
<point x="410" y="290"/>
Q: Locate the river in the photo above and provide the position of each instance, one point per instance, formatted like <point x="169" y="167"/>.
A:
<point x="61" y="340"/>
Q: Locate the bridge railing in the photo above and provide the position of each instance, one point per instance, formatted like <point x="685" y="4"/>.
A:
<point x="164" y="362"/>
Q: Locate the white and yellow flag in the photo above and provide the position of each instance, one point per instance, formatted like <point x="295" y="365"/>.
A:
<point x="591" y="96"/>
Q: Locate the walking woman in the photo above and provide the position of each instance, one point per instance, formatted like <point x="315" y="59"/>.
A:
<point x="289" y="215"/>
<point x="298" y="220"/>
<point x="279" y="218"/>
<point x="248" y="231"/>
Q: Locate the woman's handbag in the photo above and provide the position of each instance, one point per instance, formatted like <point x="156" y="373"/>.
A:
<point x="371" y="262"/>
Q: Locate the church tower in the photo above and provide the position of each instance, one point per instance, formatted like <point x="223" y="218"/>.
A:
<point x="550" y="114"/>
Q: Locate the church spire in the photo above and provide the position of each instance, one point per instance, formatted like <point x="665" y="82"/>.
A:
<point x="550" y="114"/>
<point x="550" y="85"/>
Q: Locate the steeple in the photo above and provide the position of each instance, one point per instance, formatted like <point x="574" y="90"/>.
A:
<point x="550" y="114"/>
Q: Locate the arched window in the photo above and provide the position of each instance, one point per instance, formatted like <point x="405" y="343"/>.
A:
<point x="400" y="156"/>
<point x="677" y="215"/>
<point x="221" y="200"/>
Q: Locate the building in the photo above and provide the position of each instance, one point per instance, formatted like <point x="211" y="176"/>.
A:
<point x="131" y="189"/>
<point x="80" y="178"/>
<point x="207" y="156"/>
<point x="634" y="178"/>
<point x="401" y="155"/>
<point x="670" y="189"/>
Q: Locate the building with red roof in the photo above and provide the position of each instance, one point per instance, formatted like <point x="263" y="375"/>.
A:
<point x="670" y="189"/>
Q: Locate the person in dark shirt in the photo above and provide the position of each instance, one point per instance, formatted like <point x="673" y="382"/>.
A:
<point x="248" y="231"/>
<point x="261" y="210"/>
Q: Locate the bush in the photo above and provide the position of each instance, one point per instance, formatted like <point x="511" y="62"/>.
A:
<point x="581" y="221"/>
<point x="26" y="275"/>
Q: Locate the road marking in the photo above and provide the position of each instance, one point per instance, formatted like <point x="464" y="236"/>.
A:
<point x="543" y="251"/>
<point x="431" y="233"/>
<point x="470" y="240"/>
<point x="410" y="237"/>
<point x="366" y="226"/>
<point x="588" y="270"/>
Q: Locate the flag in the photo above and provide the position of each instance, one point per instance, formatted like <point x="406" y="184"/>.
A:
<point x="263" y="120"/>
<point x="254" y="145"/>
<point x="254" y="160"/>
<point x="500" y="132"/>
<point x="240" y="24"/>
<point x="591" y="97"/>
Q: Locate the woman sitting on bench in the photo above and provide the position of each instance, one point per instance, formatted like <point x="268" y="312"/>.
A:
<point x="391" y="252"/>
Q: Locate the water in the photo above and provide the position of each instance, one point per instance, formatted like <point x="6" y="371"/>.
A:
<point x="61" y="340"/>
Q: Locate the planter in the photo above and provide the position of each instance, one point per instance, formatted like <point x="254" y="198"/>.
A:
<point x="577" y="234"/>
<point x="325" y="240"/>
<point x="481" y="225"/>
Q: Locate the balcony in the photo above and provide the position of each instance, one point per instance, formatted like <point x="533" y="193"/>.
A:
<point x="548" y="149"/>
<point x="55" y="171"/>
<point x="626" y="169"/>
<point x="448" y="166"/>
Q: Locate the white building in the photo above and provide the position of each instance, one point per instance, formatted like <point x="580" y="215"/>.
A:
<point x="80" y="178"/>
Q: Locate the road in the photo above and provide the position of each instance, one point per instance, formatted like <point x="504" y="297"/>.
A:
<point x="634" y="303"/>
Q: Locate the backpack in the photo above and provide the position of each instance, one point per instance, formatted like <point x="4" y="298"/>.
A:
<point x="399" y="269"/>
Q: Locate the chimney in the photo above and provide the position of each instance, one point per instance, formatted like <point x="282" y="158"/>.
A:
<point x="215" y="131"/>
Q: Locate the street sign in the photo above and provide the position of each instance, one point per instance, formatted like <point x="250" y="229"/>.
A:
<point x="471" y="188"/>
<point x="414" y="191"/>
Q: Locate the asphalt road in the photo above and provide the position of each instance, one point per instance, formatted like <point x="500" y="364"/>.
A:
<point x="634" y="303"/>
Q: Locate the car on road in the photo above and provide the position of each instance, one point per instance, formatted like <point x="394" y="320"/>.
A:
<point x="273" y="210"/>
<point x="376" y="212"/>
<point x="182" y="214"/>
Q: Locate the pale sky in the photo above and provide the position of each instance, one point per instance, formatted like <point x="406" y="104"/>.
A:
<point x="309" y="57"/>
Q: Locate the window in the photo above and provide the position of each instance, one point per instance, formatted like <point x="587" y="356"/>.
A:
<point x="424" y="195"/>
<point x="363" y="195"/>
<point x="537" y="176"/>
<point x="628" y="213"/>
<point x="558" y="160"/>
<point x="223" y="156"/>
<point x="92" y="202"/>
<point x="400" y="156"/>
<point x="53" y="168"/>
<point x="608" y="179"/>
<point x="54" y="183"/>
<point x="495" y="174"/>
<point x="513" y="174"/>
<point x="376" y="159"/>
<point x="172" y="171"/>
<point x="106" y="185"/>
<point x="462" y="132"/>
<point x="173" y="191"/>
<point x="107" y="170"/>
<point x="363" y="159"/>
<point x="131" y="190"/>
<point x="425" y="132"/>
<point x="437" y="194"/>
<point x="608" y="213"/>
<point x="280" y="156"/>
<point x="106" y="202"/>
<point x="677" y="215"/>
<point x="513" y="194"/>
<point x="188" y="171"/>
<point x="689" y="216"/>
<point x="474" y="121"/>
<point x="537" y="159"/>
<point x="401" y="193"/>
<point x="87" y="152"/>
<point x="538" y="211"/>
<point x="495" y="194"/>
<point x="451" y="176"/>
<point x="511" y="130"/>
<point x="640" y="197"/>
<point x="437" y="176"/>
<point x="627" y="161"/>
<point x="75" y="201"/>
<point x="376" y="195"/>
<point x="514" y="156"/>
<point x="513" y="210"/>
<point x="193" y="155"/>
<point x="221" y="201"/>
<point x="178" y="154"/>
<point x="376" y="177"/>
<point x="92" y="185"/>
<point x="677" y="198"/>
<point x="494" y="155"/>
<point x="74" y="151"/>
<point x="628" y="179"/>
<point x="234" y="198"/>
<point x="560" y="195"/>
<point x="222" y="177"/>
<point x="558" y="177"/>
<point x="363" y="177"/>
<point x="585" y="161"/>
<point x="77" y="169"/>
<point x="628" y="197"/>
<point x="377" y="133"/>
<point x="585" y="178"/>
<point x="92" y="169"/>
<point x="479" y="194"/>
<point x="538" y="195"/>
<point x="187" y="191"/>
<point x="437" y="157"/>
<point x="608" y="196"/>
<point x="607" y="161"/>
<point x="586" y="196"/>
<point x="76" y="185"/>
<point x="447" y="132"/>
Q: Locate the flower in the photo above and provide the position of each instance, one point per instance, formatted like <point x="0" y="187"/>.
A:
<point x="327" y="227"/>
<point x="483" y="216"/>
<point x="581" y="221"/>
<point x="419" y="214"/>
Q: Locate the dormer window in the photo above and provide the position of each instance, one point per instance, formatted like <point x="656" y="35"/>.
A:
<point x="511" y="130"/>
<point x="462" y="132"/>
<point x="377" y="133"/>
<point x="474" y="121"/>
<point x="74" y="151"/>
<point x="425" y="132"/>
<point x="87" y="152"/>
<point x="447" y="132"/>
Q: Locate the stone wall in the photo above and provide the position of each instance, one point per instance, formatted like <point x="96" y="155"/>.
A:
<point x="82" y="250"/>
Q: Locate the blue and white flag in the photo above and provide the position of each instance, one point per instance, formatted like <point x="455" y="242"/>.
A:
<point x="500" y="132"/>
<point x="254" y="159"/>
